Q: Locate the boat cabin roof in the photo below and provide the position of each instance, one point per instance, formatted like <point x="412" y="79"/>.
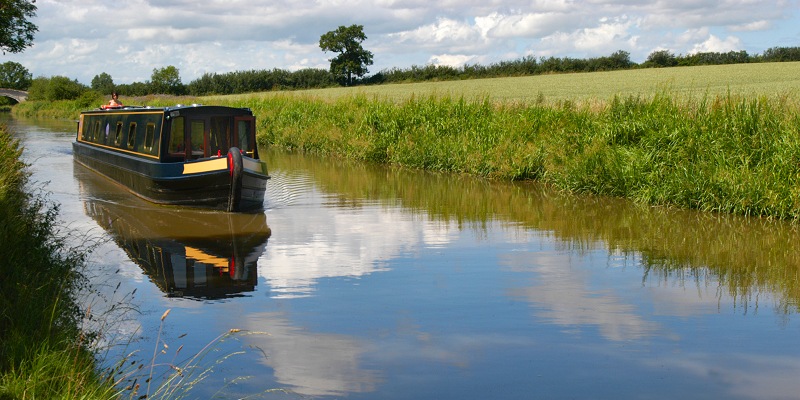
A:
<point x="178" y="109"/>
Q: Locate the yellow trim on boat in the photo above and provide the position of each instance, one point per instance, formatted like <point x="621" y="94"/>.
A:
<point x="205" y="166"/>
<point x="81" y="140"/>
<point x="205" y="258"/>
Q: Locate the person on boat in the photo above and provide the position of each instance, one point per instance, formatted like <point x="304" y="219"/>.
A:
<point x="114" y="102"/>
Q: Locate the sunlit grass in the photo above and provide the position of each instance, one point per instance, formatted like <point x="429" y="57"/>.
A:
<point x="44" y="353"/>
<point x="727" y="153"/>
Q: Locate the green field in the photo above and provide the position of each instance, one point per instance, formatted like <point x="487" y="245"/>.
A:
<point x="768" y="79"/>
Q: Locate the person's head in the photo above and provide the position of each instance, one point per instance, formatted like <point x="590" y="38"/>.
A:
<point x="114" y="95"/>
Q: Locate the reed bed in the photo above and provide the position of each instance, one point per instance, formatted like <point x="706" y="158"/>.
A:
<point x="727" y="153"/>
<point x="44" y="353"/>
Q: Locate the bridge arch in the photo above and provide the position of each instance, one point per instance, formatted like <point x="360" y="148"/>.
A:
<point x="18" y="95"/>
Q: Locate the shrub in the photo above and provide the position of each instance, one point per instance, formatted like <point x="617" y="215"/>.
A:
<point x="55" y="88"/>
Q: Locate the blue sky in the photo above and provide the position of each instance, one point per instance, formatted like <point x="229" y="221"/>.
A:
<point x="128" y="39"/>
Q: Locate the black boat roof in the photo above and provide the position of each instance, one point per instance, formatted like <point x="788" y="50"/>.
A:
<point x="199" y="108"/>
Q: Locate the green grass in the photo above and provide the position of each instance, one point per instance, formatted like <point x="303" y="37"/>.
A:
<point x="729" y="154"/>
<point x="44" y="353"/>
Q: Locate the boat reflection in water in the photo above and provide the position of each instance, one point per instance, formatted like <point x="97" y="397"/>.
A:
<point x="193" y="253"/>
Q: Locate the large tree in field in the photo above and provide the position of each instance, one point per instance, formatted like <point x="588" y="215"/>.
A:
<point x="352" y="58"/>
<point x="16" y="31"/>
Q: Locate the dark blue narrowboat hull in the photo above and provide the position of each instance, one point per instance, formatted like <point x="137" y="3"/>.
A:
<point x="207" y="183"/>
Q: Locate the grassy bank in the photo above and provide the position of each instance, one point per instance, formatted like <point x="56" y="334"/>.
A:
<point x="721" y="139"/>
<point x="727" y="154"/>
<point x="43" y="352"/>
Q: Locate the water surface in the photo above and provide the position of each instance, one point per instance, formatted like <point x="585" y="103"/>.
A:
<point x="364" y="281"/>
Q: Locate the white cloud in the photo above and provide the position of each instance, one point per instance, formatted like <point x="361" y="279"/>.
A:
<point x="603" y="39"/>
<point x="523" y="25"/>
<point x="691" y="36"/>
<point x="752" y="26"/>
<point x="606" y="35"/>
<point x="452" y="60"/>
<point x="220" y="36"/>
<point x="715" y="44"/>
<point x="445" y="31"/>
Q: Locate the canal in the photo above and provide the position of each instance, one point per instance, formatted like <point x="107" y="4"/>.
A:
<point x="366" y="282"/>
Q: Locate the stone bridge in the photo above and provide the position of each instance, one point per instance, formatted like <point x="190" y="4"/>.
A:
<point x="18" y="95"/>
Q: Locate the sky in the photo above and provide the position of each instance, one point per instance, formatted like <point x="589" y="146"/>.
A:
<point x="128" y="39"/>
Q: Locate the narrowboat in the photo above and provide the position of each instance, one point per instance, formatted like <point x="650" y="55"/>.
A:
<point x="196" y="155"/>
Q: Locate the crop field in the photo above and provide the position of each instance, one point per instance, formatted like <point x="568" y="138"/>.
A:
<point x="769" y="79"/>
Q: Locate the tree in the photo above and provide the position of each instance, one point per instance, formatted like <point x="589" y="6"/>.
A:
<point x="353" y="59"/>
<point x="133" y="89"/>
<point x="781" y="54"/>
<point x="55" y="88"/>
<point x="16" y="32"/>
<point x="14" y="76"/>
<point x="166" y="80"/>
<point x="103" y="83"/>
<point x="661" y="58"/>
<point x="621" y="59"/>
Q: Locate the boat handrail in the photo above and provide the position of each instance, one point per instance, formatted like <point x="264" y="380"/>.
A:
<point x="107" y="107"/>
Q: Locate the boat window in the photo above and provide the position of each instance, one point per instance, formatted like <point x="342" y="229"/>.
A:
<point x="132" y="135"/>
<point x="80" y="128"/>
<point x="198" y="128"/>
<point x="149" y="133"/>
<point x="218" y="136"/>
<point x="95" y="131"/>
<point x="176" y="143"/>
<point x="243" y="135"/>
<point x="118" y="134"/>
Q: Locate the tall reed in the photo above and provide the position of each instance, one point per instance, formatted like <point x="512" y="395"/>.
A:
<point x="43" y="351"/>
<point x="729" y="153"/>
